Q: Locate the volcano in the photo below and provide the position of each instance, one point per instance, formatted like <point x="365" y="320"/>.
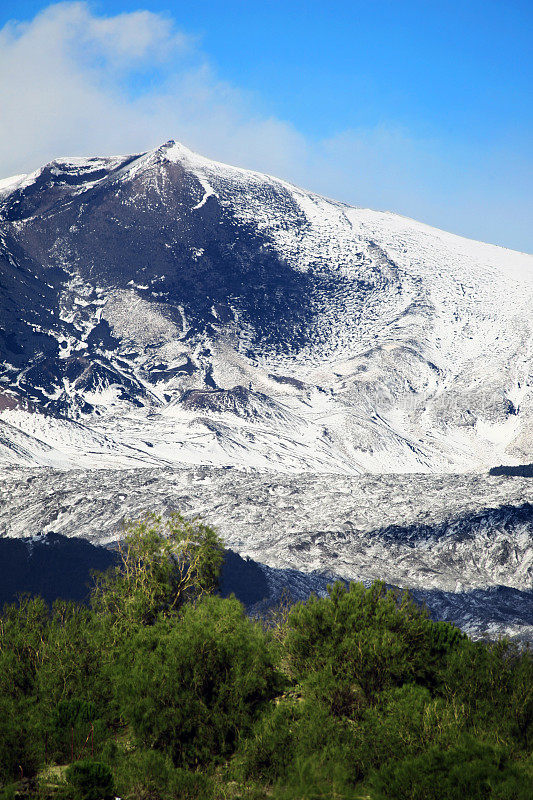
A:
<point x="161" y="309"/>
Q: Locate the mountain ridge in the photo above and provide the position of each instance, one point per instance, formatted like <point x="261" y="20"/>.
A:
<point x="131" y="282"/>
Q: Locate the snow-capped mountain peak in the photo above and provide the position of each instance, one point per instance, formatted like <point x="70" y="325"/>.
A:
<point x="162" y="308"/>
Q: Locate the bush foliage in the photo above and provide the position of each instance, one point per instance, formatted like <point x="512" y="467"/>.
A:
<point x="90" y="780"/>
<point x="160" y="689"/>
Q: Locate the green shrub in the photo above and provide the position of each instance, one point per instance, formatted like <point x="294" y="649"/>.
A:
<point x="23" y="630"/>
<point x="186" y="785"/>
<point x="470" y="770"/>
<point x="495" y="683"/>
<point x="90" y="780"/>
<point x="289" y="737"/>
<point x="366" y="640"/>
<point x="143" y="775"/>
<point x="312" y="778"/>
<point x="266" y="754"/>
<point x="165" y="562"/>
<point x="20" y="752"/>
<point x="150" y="775"/>
<point x="191" y="687"/>
<point x="404" y="722"/>
<point x="338" y="692"/>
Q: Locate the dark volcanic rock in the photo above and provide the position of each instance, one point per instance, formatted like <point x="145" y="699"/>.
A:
<point x="238" y="400"/>
<point x="522" y="470"/>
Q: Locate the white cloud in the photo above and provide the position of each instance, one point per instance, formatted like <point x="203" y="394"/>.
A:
<point x="66" y="90"/>
<point x="75" y="83"/>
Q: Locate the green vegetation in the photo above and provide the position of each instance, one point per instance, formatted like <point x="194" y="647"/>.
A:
<point x="90" y="780"/>
<point x="160" y="689"/>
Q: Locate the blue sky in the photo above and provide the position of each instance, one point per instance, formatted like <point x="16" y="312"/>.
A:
<point x="424" y="108"/>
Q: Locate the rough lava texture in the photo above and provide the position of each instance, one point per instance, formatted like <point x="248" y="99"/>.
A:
<point x="321" y="381"/>
<point x="462" y="543"/>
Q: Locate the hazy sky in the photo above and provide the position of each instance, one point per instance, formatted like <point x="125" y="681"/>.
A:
<point x="423" y="107"/>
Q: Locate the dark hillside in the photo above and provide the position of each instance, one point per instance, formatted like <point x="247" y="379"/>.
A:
<point x="522" y="470"/>
<point x="55" y="566"/>
<point x="52" y="566"/>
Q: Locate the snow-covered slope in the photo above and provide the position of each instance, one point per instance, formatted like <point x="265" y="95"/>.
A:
<point x="163" y="309"/>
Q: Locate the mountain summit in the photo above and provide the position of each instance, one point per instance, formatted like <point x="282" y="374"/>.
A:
<point x="164" y="309"/>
